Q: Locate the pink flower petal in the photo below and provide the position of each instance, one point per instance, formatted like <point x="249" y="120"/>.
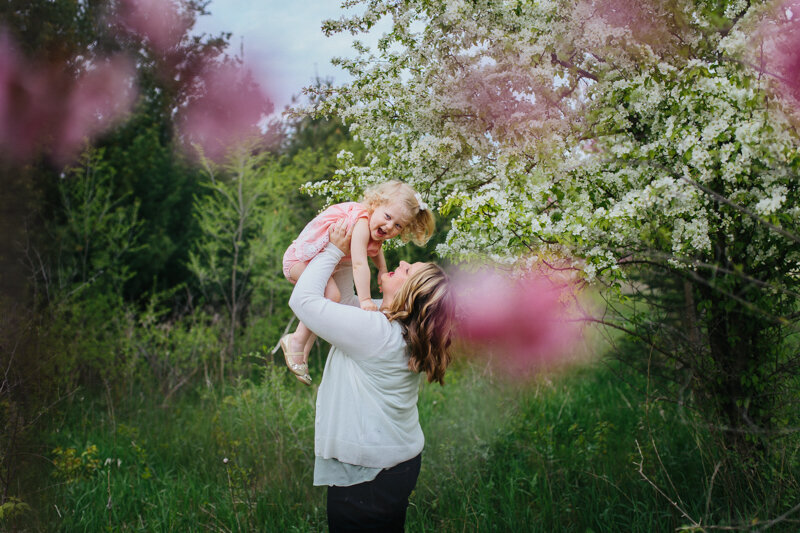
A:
<point x="30" y="103"/>
<point x="524" y="322"/>
<point x="779" y="49"/>
<point x="43" y="107"/>
<point x="228" y="110"/>
<point x="99" y="98"/>
<point x="158" y="21"/>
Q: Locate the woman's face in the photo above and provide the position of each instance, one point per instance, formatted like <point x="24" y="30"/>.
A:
<point x="392" y="281"/>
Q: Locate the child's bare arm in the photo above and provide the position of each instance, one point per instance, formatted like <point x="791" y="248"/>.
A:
<point x="358" y="251"/>
<point x="380" y="262"/>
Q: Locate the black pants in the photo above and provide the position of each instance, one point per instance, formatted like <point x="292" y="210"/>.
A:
<point x="378" y="505"/>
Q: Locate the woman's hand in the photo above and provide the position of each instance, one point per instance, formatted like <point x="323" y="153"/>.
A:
<point x="340" y="235"/>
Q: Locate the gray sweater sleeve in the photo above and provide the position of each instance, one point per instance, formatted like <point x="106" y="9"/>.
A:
<point x="359" y="334"/>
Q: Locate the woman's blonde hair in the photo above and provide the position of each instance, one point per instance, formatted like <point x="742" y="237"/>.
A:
<point x="420" y="228"/>
<point x="424" y="307"/>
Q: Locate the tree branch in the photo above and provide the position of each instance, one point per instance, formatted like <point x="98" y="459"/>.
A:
<point x="566" y="64"/>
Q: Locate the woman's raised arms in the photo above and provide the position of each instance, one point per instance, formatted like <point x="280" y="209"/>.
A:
<point x="358" y="333"/>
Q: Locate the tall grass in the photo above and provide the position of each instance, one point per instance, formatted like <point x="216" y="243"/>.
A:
<point x="578" y="451"/>
<point x="562" y="460"/>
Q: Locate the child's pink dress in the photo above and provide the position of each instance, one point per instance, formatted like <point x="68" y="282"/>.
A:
<point x="315" y="236"/>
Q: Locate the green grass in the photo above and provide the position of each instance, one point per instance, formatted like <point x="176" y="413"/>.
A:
<point x="239" y="459"/>
<point x="563" y="460"/>
<point x="557" y="453"/>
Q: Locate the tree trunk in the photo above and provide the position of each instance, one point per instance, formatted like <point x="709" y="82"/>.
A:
<point x="738" y="342"/>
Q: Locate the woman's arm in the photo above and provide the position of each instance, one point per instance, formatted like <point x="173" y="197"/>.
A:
<point x="358" y="250"/>
<point x="356" y="332"/>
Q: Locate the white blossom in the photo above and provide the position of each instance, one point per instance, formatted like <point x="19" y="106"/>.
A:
<point x="543" y="127"/>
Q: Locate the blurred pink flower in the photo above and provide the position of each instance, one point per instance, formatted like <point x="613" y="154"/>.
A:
<point x="44" y="107"/>
<point x="621" y="12"/>
<point x="228" y="109"/>
<point x="506" y="100"/>
<point x="648" y="21"/>
<point x="221" y="104"/>
<point x="99" y="98"/>
<point x="158" y="21"/>
<point x="523" y="322"/>
<point x="26" y="107"/>
<point x="780" y="51"/>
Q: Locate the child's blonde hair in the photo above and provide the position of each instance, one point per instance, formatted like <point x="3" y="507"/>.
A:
<point x="420" y="228"/>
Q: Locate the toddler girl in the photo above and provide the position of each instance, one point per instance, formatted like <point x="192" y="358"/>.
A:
<point x="388" y="210"/>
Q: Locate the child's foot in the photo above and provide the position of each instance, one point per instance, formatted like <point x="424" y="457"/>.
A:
<point x="295" y="358"/>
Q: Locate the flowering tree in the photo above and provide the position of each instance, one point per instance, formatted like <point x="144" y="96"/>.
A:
<point x="627" y="136"/>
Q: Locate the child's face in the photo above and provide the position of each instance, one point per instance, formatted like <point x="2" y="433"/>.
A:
<point x="388" y="220"/>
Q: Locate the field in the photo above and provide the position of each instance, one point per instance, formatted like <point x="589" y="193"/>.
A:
<point x="581" y="449"/>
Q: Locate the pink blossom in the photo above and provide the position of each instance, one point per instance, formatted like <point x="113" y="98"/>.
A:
<point x="26" y="105"/>
<point x="622" y="13"/>
<point x="507" y="101"/>
<point x="523" y="322"/>
<point x="648" y="21"/>
<point x="228" y="109"/>
<point x="158" y="21"/>
<point x="780" y="48"/>
<point x="99" y="98"/>
<point x="45" y="108"/>
<point x="221" y="103"/>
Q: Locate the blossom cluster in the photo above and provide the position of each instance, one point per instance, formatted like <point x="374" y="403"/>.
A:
<point x="599" y="131"/>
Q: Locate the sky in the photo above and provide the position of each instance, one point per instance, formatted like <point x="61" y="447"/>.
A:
<point x="282" y="41"/>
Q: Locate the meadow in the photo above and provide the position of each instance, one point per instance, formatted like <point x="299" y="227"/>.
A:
<point x="578" y="449"/>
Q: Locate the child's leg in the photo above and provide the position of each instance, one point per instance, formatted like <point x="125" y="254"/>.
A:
<point x="331" y="293"/>
<point x="303" y="338"/>
<point x="300" y="336"/>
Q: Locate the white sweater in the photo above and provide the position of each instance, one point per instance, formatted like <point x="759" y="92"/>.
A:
<point x="367" y="401"/>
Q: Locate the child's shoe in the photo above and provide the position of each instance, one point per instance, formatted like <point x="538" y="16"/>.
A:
<point x="300" y="370"/>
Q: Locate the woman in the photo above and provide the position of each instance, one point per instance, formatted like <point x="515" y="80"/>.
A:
<point x="367" y="437"/>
